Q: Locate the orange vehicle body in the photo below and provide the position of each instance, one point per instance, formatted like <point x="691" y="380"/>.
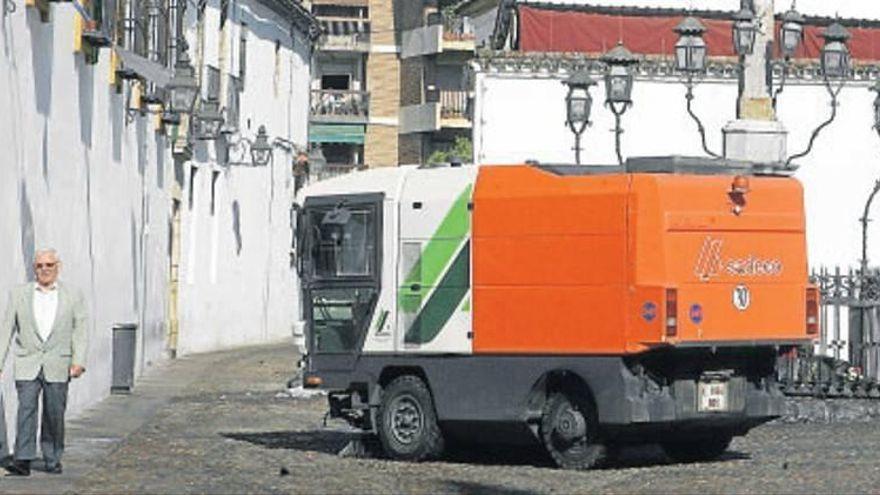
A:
<point x="603" y="264"/>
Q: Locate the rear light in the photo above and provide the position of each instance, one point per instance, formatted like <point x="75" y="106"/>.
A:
<point x="740" y="185"/>
<point x="313" y="381"/>
<point x="671" y="312"/>
<point x="812" y="311"/>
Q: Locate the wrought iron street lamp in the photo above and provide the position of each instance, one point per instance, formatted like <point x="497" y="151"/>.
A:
<point x="619" y="76"/>
<point x="745" y="30"/>
<point x="835" y="54"/>
<point x="690" y="57"/>
<point x="690" y="51"/>
<point x="261" y="149"/>
<point x="792" y="32"/>
<point x="835" y="64"/>
<point x="209" y="120"/>
<point x="579" y="104"/>
<point x="184" y="87"/>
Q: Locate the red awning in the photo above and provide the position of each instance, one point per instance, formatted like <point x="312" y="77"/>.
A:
<point x="554" y="30"/>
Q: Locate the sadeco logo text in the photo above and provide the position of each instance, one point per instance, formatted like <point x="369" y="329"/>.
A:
<point x="712" y="263"/>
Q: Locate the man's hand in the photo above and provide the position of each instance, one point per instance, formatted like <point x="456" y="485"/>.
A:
<point x="76" y="371"/>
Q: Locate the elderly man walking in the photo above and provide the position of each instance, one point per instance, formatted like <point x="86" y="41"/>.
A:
<point x="48" y="321"/>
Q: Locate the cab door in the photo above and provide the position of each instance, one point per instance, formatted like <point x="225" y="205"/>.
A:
<point x="341" y="275"/>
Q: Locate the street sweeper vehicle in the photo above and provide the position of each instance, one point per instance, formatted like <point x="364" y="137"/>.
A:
<point x="576" y="307"/>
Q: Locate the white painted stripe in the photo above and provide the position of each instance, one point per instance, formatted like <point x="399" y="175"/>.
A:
<point x="374" y="48"/>
<point x="389" y="121"/>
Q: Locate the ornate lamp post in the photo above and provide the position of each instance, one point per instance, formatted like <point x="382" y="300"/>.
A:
<point x="792" y="35"/>
<point x="745" y="30"/>
<point x="835" y="54"/>
<point x="690" y="58"/>
<point x="690" y="51"/>
<point x="578" y="103"/>
<point x="619" y="77"/>
<point x="792" y="32"/>
<point x="209" y="120"/>
<point x="261" y="149"/>
<point x="184" y="87"/>
<point x="836" y="64"/>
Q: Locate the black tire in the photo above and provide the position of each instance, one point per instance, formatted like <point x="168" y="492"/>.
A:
<point x="407" y="422"/>
<point x="704" y="448"/>
<point x="569" y="432"/>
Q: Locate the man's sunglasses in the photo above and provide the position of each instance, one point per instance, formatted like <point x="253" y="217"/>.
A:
<point x="40" y="266"/>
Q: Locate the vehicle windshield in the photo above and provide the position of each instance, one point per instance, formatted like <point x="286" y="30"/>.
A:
<point x="343" y="242"/>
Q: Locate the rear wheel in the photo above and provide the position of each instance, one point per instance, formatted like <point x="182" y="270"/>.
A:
<point x="407" y="422"/>
<point x="568" y="431"/>
<point x="697" y="449"/>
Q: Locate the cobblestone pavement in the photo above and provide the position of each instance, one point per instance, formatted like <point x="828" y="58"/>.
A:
<point x="220" y="423"/>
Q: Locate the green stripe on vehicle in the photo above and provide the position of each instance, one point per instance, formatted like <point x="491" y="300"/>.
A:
<point x="443" y="301"/>
<point x="380" y="322"/>
<point x="437" y="253"/>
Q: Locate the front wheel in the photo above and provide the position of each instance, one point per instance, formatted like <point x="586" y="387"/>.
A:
<point x="407" y="422"/>
<point x="697" y="449"/>
<point x="568" y="430"/>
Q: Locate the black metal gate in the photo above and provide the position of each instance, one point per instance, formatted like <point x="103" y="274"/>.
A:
<point x="845" y="362"/>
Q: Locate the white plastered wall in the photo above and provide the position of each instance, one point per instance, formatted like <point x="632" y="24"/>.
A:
<point x="837" y="175"/>
<point x="80" y="174"/>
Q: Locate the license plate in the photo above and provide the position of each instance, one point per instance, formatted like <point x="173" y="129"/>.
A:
<point x="712" y="397"/>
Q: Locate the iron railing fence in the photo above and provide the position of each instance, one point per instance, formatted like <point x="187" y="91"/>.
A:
<point x="340" y="103"/>
<point x="454" y="104"/>
<point x="457" y="28"/>
<point x="845" y="360"/>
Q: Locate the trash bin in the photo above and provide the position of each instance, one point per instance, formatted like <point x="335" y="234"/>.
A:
<point x="124" y="349"/>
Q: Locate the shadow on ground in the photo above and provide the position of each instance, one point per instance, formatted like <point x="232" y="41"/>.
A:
<point x="331" y="442"/>
<point x="470" y="488"/>
<point x="652" y="455"/>
<point x="326" y="442"/>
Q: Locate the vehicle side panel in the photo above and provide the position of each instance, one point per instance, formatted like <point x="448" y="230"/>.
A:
<point x="549" y="264"/>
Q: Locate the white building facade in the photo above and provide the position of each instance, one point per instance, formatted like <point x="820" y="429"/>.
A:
<point x="838" y="174"/>
<point x="184" y="238"/>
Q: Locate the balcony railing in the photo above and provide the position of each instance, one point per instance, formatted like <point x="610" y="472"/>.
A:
<point x="340" y="105"/>
<point x="454" y="104"/>
<point x="457" y="29"/>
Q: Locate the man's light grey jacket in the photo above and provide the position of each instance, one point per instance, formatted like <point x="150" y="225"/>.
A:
<point x="66" y="345"/>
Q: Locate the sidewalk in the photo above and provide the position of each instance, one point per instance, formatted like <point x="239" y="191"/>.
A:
<point x="95" y="436"/>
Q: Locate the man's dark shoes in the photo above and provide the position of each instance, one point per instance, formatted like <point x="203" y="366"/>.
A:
<point x="56" y="469"/>
<point x="19" y="468"/>
<point x="5" y="461"/>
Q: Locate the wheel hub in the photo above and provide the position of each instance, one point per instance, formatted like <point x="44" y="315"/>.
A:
<point x="571" y="425"/>
<point x="406" y="420"/>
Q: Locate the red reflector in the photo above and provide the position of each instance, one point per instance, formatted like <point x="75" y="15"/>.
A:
<point x="671" y="312"/>
<point x="812" y="311"/>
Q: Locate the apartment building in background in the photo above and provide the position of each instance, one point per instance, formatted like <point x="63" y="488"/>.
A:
<point x="389" y="82"/>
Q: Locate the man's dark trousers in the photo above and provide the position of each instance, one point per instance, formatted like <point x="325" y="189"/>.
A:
<point x="52" y="430"/>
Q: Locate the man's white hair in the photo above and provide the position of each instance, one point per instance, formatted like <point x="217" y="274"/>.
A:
<point x="48" y="250"/>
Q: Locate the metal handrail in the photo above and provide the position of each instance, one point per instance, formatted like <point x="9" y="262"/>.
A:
<point x="340" y="102"/>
